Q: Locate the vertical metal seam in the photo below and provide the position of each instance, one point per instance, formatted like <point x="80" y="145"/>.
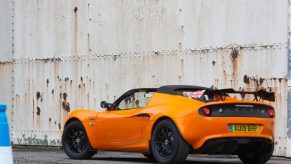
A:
<point x="289" y="71"/>
<point x="12" y="63"/>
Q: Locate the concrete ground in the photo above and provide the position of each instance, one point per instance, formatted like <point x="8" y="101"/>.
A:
<point x="52" y="155"/>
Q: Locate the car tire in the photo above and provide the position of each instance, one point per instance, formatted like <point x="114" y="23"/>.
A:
<point x="167" y="145"/>
<point x="75" y="141"/>
<point x="257" y="156"/>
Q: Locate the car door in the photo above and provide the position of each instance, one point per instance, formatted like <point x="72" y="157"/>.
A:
<point x="120" y="126"/>
<point x="123" y="123"/>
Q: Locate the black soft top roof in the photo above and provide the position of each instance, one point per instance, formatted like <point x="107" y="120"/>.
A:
<point x="172" y="89"/>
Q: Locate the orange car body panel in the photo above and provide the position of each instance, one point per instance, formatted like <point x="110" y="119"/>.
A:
<point x="123" y="131"/>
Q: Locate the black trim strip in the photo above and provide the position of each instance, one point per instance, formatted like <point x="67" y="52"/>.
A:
<point x="142" y="115"/>
<point x="237" y="110"/>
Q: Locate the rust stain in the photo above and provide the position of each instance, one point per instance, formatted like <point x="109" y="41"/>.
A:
<point x="65" y="95"/>
<point x="33" y="111"/>
<point x="59" y="124"/>
<point x="38" y="110"/>
<point x="246" y="79"/>
<point x="234" y="60"/>
<point x="6" y="62"/>
<point x="88" y="44"/>
<point x="213" y="62"/>
<point x="65" y="104"/>
<point x="50" y="121"/>
<point x="75" y="35"/>
<point x="38" y="95"/>
<point x="75" y="9"/>
<point x="182" y="69"/>
<point x="234" y="54"/>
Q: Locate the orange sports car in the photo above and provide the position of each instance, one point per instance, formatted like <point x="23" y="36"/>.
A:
<point x="168" y="123"/>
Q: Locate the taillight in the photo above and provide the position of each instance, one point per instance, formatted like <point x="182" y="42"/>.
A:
<point x="271" y="112"/>
<point x="206" y="111"/>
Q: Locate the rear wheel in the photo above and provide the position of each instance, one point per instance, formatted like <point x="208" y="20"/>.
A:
<point x="75" y="141"/>
<point x="257" y="155"/>
<point x="167" y="144"/>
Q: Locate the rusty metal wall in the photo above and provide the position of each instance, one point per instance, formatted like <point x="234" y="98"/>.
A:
<point x="6" y="51"/>
<point x="288" y="151"/>
<point x="85" y="51"/>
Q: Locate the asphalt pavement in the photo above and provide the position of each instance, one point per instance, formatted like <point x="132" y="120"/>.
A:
<point x="55" y="155"/>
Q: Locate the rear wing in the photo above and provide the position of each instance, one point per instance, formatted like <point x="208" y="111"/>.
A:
<point x="259" y="95"/>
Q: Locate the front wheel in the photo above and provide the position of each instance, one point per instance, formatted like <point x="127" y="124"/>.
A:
<point x="75" y="141"/>
<point x="259" y="155"/>
<point x="167" y="144"/>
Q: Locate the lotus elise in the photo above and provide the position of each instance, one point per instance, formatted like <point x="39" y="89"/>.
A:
<point x="169" y="122"/>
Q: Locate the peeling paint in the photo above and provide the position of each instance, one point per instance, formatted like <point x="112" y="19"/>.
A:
<point x="38" y="110"/>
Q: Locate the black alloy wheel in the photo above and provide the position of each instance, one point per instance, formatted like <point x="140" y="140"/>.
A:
<point x="167" y="144"/>
<point x="75" y="141"/>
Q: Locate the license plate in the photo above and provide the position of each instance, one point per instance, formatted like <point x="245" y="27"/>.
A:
<point x="243" y="128"/>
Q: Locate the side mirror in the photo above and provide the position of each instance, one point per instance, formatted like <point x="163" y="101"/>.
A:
<point x="105" y="104"/>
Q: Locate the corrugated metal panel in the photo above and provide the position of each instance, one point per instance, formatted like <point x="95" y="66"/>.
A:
<point x="42" y="87"/>
<point x="46" y="30"/>
<point x="82" y="52"/>
<point x="6" y="52"/>
<point x="219" y="23"/>
<point x="5" y="31"/>
<point x="6" y="85"/>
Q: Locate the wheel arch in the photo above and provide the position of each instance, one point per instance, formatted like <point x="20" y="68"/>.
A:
<point x="161" y="119"/>
<point x="71" y="120"/>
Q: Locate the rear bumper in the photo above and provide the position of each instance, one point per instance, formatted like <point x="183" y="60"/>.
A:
<point x="198" y="130"/>
<point x="232" y="145"/>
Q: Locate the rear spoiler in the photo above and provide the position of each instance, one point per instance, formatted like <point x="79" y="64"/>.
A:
<point x="259" y="95"/>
